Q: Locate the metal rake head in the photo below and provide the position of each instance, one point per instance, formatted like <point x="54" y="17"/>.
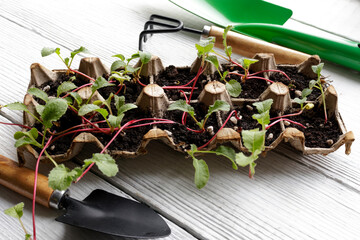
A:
<point x="168" y="25"/>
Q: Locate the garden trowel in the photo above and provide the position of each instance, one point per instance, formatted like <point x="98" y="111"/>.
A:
<point x="100" y="211"/>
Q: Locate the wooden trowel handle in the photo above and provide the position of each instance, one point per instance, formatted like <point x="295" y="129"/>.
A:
<point x="248" y="47"/>
<point x="21" y="180"/>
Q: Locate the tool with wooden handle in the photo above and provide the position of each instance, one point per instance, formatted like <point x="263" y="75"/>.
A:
<point x="101" y="211"/>
<point x="240" y="43"/>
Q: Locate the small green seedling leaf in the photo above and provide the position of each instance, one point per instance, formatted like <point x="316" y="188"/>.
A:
<point x="85" y="109"/>
<point x="39" y="93"/>
<point x="105" y="163"/>
<point x="246" y="62"/>
<point x="117" y="64"/>
<point x="61" y="177"/>
<point x="130" y="69"/>
<point x="115" y="121"/>
<point x="40" y="109"/>
<point x="15" y="211"/>
<point x="46" y="51"/>
<point x="145" y="57"/>
<point x="300" y="101"/>
<point x="126" y="107"/>
<point x="100" y="82"/>
<point x="243" y="160"/>
<point x="317" y="69"/>
<point x="17" y="106"/>
<point x="233" y="87"/>
<point x="53" y="111"/>
<point x="182" y="105"/>
<point x="219" y="105"/>
<point x="262" y="118"/>
<point x="205" y="46"/>
<point x="120" y="56"/>
<point x="312" y="83"/>
<point x="25" y="138"/>
<point x="201" y="172"/>
<point x="228" y="49"/>
<point x="306" y="92"/>
<point x="264" y="105"/>
<point x="76" y="96"/>
<point x="77" y="51"/>
<point x="227" y="152"/>
<point x="213" y="60"/>
<point x="254" y="139"/>
<point x="119" y="102"/>
<point x="67" y="60"/>
<point x="65" y="87"/>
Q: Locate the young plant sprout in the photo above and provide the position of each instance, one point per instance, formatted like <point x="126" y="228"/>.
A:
<point x="182" y="105"/>
<point x="318" y="84"/>
<point x="17" y="212"/>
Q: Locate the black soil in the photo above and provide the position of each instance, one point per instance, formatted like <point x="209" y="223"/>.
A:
<point x="248" y="123"/>
<point x="173" y="76"/>
<point x="181" y="135"/>
<point x="317" y="132"/>
<point x="299" y="81"/>
<point x="129" y="139"/>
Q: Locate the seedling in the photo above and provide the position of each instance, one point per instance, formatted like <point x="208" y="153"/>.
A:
<point x="317" y="84"/>
<point x="305" y="92"/>
<point x="17" y="212"/>
<point x="182" y="105"/>
<point x="246" y="63"/>
<point x="46" y="51"/>
<point x="201" y="168"/>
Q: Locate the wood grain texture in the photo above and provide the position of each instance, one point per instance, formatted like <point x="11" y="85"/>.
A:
<point x="292" y="196"/>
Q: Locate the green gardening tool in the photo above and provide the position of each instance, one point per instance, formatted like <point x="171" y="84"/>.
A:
<point x="263" y="20"/>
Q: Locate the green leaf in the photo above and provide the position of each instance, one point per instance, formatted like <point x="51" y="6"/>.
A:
<point x="317" y="68"/>
<point x="233" y="87"/>
<point x="228" y="49"/>
<point x="262" y="118"/>
<point x="65" y="87"/>
<point x="219" y="105"/>
<point x="46" y="51"/>
<point x="27" y="236"/>
<point x="134" y="56"/>
<point x="201" y="173"/>
<point x="39" y="93"/>
<point x="130" y="69"/>
<point x="242" y="160"/>
<point x="182" y="106"/>
<point x="53" y="111"/>
<point x="300" y="101"/>
<point x="264" y="105"/>
<point x="85" y="109"/>
<point x="61" y="177"/>
<point x="227" y="152"/>
<point x="15" y="211"/>
<point x="67" y="60"/>
<point x="246" y="62"/>
<point x="122" y="58"/>
<point x="77" y="51"/>
<point x="77" y="97"/>
<point x="213" y="59"/>
<point x="253" y="139"/>
<point x="115" y="121"/>
<point x="205" y="46"/>
<point x="17" y="106"/>
<point x="119" y="102"/>
<point x="40" y="108"/>
<point x="125" y="108"/>
<point x="100" y="82"/>
<point x="117" y="64"/>
<point x="305" y="92"/>
<point x="145" y="57"/>
<point x="25" y="138"/>
<point x="105" y="163"/>
<point x="312" y="83"/>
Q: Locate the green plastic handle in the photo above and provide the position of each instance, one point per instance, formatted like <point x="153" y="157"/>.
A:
<point x="341" y="51"/>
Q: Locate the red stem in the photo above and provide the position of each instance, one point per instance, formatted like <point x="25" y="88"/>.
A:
<point x="35" y="183"/>
<point x="138" y="80"/>
<point x="287" y="115"/>
<point x="272" y="70"/>
<point x="233" y="62"/>
<point x="20" y="125"/>
<point x="284" y="119"/>
<point x="261" y="79"/>
<point x="234" y="111"/>
<point x="118" y="91"/>
<point x="177" y="87"/>
<point x="82" y="74"/>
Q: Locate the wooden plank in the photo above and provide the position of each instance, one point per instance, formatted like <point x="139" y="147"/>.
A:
<point x="284" y="201"/>
<point x="47" y="227"/>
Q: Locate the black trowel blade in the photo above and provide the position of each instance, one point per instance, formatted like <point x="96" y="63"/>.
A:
<point x="111" y="214"/>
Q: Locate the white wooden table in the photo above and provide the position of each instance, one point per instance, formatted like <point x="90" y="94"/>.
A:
<point x="292" y="196"/>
